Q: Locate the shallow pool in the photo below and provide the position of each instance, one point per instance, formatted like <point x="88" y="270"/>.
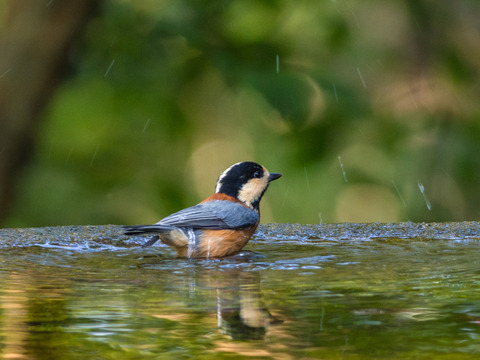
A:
<point x="348" y="291"/>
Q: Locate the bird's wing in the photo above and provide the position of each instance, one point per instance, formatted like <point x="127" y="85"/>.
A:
<point x="217" y="214"/>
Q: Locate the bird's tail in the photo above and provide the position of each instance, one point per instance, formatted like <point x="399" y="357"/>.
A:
<point x="143" y="229"/>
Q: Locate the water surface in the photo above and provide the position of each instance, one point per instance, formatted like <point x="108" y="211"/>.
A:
<point x="352" y="291"/>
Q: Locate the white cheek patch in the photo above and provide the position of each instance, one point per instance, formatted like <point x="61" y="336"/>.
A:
<point x="253" y="189"/>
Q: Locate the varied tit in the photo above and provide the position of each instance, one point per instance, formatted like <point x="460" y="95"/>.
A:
<point x="221" y="224"/>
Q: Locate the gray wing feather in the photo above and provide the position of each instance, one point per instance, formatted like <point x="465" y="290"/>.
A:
<point x="218" y="214"/>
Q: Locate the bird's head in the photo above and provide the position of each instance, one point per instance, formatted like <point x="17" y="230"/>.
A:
<point x="246" y="181"/>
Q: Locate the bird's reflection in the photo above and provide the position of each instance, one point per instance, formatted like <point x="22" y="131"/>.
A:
<point x="240" y="309"/>
<point x="241" y="312"/>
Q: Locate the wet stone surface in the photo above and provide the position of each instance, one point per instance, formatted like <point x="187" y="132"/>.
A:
<point x="112" y="234"/>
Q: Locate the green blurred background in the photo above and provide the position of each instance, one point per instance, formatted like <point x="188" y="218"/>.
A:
<point x="362" y="105"/>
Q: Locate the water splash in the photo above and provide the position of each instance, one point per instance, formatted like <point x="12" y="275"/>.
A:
<point x="191" y="242"/>
<point x="343" y="169"/>
<point x="427" y="201"/>
<point x="208" y="249"/>
<point x="278" y="63"/>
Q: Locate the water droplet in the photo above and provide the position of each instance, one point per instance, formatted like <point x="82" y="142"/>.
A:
<point x="146" y="124"/>
<point x="413" y="98"/>
<point x="68" y="156"/>
<point x="335" y="92"/>
<point x="94" y="155"/>
<point x="208" y="249"/>
<point x="361" y="78"/>
<point x="113" y="41"/>
<point x="306" y="178"/>
<point x="5" y="72"/>
<point x="109" y="68"/>
<point x="422" y="190"/>
<point x="343" y="169"/>
<point x="398" y="193"/>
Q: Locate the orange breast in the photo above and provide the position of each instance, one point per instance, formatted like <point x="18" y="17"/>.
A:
<point x="220" y="243"/>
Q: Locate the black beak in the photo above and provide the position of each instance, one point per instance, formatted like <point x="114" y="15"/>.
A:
<point x="274" y="176"/>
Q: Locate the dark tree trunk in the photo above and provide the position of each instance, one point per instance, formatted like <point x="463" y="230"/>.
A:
<point x="34" y="44"/>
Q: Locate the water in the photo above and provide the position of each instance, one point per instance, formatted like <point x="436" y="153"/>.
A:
<point x="355" y="291"/>
<point x="361" y="78"/>
<point x="5" y="72"/>
<point x="422" y="190"/>
<point x="344" y="173"/>
<point x="109" y="68"/>
<point x="192" y="241"/>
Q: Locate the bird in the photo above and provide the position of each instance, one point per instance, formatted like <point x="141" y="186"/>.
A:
<point x="223" y="223"/>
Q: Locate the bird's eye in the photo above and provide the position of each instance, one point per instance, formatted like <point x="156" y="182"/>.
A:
<point x="257" y="174"/>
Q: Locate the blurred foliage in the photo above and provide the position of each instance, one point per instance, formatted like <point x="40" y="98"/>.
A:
<point x="360" y="104"/>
